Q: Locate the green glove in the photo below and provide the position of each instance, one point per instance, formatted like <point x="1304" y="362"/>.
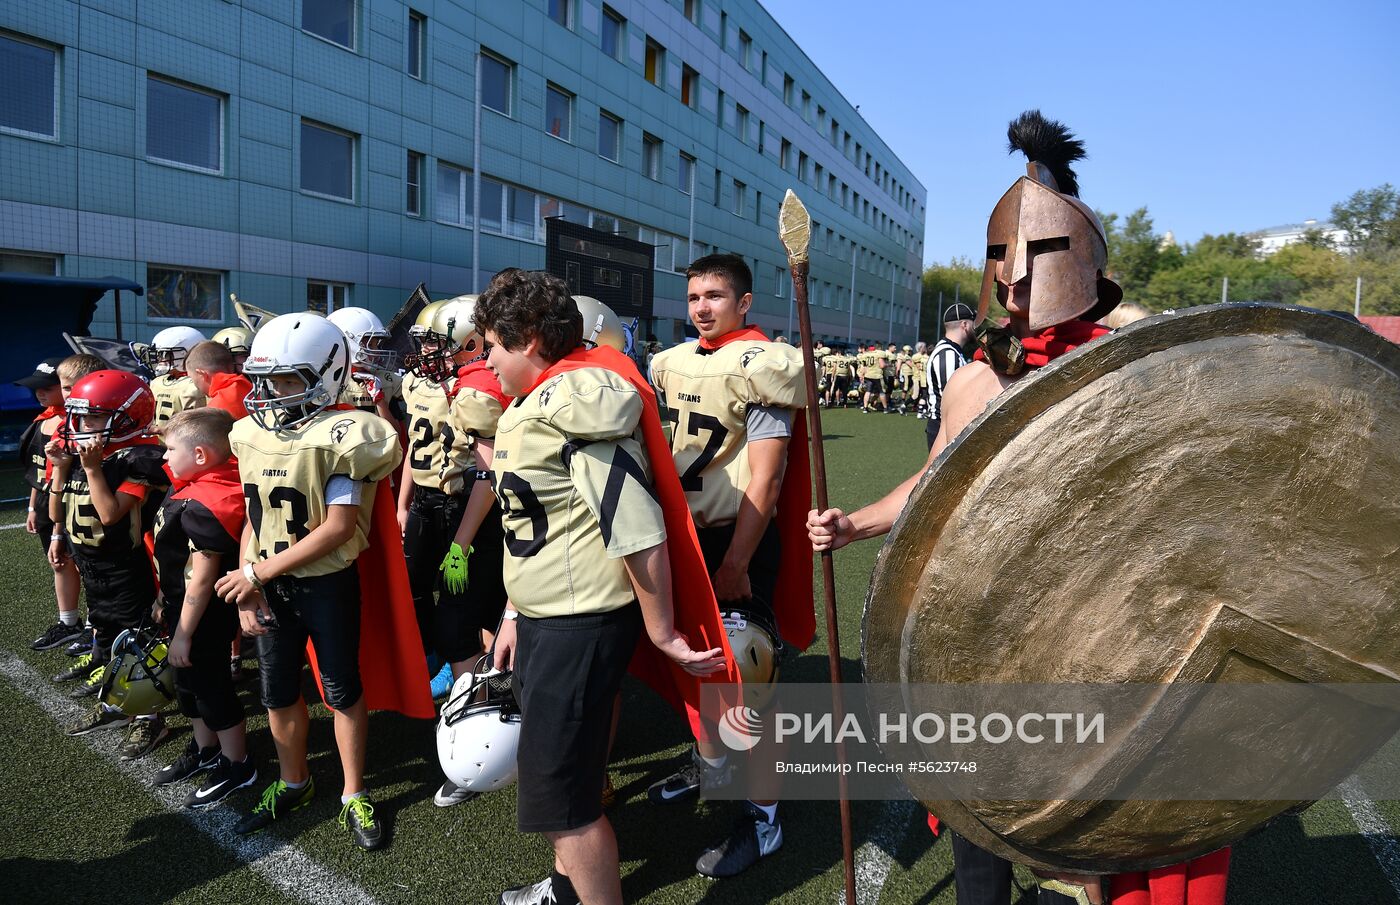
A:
<point x="454" y="568"/>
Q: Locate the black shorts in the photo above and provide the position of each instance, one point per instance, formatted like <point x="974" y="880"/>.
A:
<point x="763" y="567"/>
<point x="873" y="385"/>
<point x="326" y="609"/>
<point x="43" y="523"/>
<point x="120" y="588"/>
<point x="931" y="430"/>
<point x="205" y="688"/>
<point x="568" y="671"/>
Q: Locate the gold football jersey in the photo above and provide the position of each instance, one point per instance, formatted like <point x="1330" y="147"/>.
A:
<point x="918" y="362"/>
<point x="437" y="456"/>
<point x="711" y="392"/>
<point x="474" y="414"/>
<point x="574" y="484"/>
<point x="356" y="392"/>
<point x="284" y="477"/>
<point x="174" y="395"/>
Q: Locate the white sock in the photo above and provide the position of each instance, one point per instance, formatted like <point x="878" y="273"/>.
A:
<point x="68" y="618"/>
<point x="296" y="785"/>
<point x="715" y="762"/>
<point x="769" y="810"/>
<point x="149" y="716"/>
<point x="345" y="799"/>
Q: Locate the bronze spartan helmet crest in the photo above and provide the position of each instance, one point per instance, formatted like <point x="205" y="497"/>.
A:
<point x="1042" y="231"/>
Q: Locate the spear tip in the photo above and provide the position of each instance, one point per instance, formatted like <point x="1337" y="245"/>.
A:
<point x="794" y="228"/>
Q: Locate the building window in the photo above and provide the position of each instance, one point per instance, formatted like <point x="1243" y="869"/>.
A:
<point x="326" y="297"/>
<point x="692" y="11"/>
<point x="787" y="90"/>
<point x="29" y="101"/>
<point x="741" y="123"/>
<point x="520" y="213"/>
<point x="719" y="110"/>
<point x="182" y="294"/>
<point x="184" y="125"/>
<point x="496" y="76"/>
<point x="806" y="106"/>
<point x="453" y="197"/>
<point x="785" y="154"/>
<point x="417" y="42"/>
<point x="778" y="281"/>
<point x="802" y="166"/>
<point x="762" y="136"/>
<point x="739" y="190"/>
<point x="685" y="173"/>
<point x="611" y="37"/>
<point x="558" y="112"/>
<point x="718" y="183"/>
<point x="609" y="135"/>
<point x="327" y="161"/>
<point x="22" y="262"/>
<point x="492" y="204"/>
<point x="413" y="185"/>
<point x="604" y="223"/>
<point x="745" y="48"/>
<point x="758" y="207"/>
<point x="651" y="156"/>
<point x="333" y="20"/>
<point x="835" y="130"/>
<point x="655" y="62"/>
<point x="817" y="177"/>
<point x="560" y="11"/>
<point x="690" y="86"/>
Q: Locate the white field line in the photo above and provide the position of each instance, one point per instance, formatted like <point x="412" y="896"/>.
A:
<point x="8" y="527"/>
<point x="876" y="856"/>
<point x="1378" y="832"/>
<point x="282" y="864"/>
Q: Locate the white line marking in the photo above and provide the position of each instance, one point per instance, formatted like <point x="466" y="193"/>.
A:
<point x="1377" y="831"/>
<point x="280" y="863"/>
<point x="875" y="858"/>
<point x="8" y="527"/>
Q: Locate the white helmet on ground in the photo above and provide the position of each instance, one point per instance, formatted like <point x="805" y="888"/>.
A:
<point x="169" y="348"/>
<point x="368" y="338"/>
<point x="478" y="733"/>
<point x="302" y="345"/>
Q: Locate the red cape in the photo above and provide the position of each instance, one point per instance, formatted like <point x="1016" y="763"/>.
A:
<point x="49" y="412"/>
<point x="220" y="490"/>
<point x="696" y="612"/>
<point x="478" y="376"/>
<point x="227" y="392"/>
<point x="393" y="667"/>
<point x="1044" y="346"/>
<point x="793" y="606"/>
<point x="1200" y="881"/>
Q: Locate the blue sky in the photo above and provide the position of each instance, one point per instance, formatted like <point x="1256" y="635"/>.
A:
<point x="1218" y="117"/>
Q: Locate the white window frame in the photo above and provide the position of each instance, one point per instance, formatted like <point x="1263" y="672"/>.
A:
<point x="682" y="159"/>
<point x="463" y="184"/>
<point x="354" y="27"/>
<point x="354" y="161"/>
<point x="422" y="73"/>
<point x="652" y="149"/>
<point x="178" y="164"/>
<point x="219" y="316"/>
<point x="621" y="22"/>
<point x="329" y="286"/>
<point x="57" y="88"/>
<point x="421" y="172"/>
<point x="568" y="97"/>
<point x="55" y="260"/>
<point x="568" y="14"/>
<point x="510" y="84"/>
<point x="617" y="142"/>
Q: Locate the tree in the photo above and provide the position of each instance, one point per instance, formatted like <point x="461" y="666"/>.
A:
<point x="1371" y="219"/>
<point x="1134" y="251"/>
<point x="958" y="279"/>
<point x="1230" y="245"/>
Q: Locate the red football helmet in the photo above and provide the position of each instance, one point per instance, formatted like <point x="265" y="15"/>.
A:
<point x="122" y="397"/>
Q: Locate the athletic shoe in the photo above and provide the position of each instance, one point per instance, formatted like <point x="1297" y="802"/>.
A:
<point x="92" y="685"/>
<point x="442" y="682"/>
<point x="541" y="893"/>
<point x="193" y="760"/>
<point x="228" y="777"/>
<point x="277" y="800"/>
<point x="752" y="838"/>
<point x="357" y="815"/>
<point x="99" y="718"/>
<point x="685" y="782"/>
<point x="82" y="645"/>
<point x="56" y="634"/>
<point x="142" y="737"/>
<point x="81" y="669"/>
<point x="450" y="793"/>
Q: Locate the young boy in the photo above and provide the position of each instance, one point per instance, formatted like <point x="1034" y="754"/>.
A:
<point x="309" y="471"/>
<point x="587" y="567"/>
<point x="118" y="467"/>
<point x="238" y="340"/>
<point x="45" y="384"/>
<point x="375" y="384"/>
<point x="435" y="478"/>
<point x="196" y="534"/>
<point x="738" y="400"/>
<point x="167" y="356"/>
<point x="215" y="374"/>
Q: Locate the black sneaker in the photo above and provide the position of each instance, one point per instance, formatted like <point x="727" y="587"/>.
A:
<point x="357" y="815"/>
<point x="56" y="634"/>
<point x="193" y="760"/>
<point x="278" y="800"/>
<point x="92" y="684"/>
<point x="541" y="893"/>
<point x="227" y="778"/>
<point x="685" y="783"/>
<point x="99" y="718"/>
<point x="752" y="838"/>
<point x="81" y="669"/>
<point x="142" y="738"/>
<point x="82" y="645"/>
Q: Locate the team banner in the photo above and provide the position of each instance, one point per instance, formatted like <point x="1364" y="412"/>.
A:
<point x="251" y="316"/>
<point x="405" y="318"/>
<point x="119" y="355"/>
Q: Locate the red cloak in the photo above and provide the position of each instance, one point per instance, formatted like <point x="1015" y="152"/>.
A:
<point x="227" y="392"/>
<point x="696" y="611"/>
<point x="478" y="376"/>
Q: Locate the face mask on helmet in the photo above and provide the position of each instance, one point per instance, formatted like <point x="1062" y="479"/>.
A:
<point x="273" y="407"/>
<point x="138" y="681"/>
<point x="478" y="732"/>
<point x="433" y="360"/>
<point x="371" y="351"/>
<point x="163" y="361"/>
<point x="112" y="407"/>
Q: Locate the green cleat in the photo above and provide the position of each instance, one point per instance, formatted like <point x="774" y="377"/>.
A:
<point x="358" y="816"/>
<point x="278" y="799"/>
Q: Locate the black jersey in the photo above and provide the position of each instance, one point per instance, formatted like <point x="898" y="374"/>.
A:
<point x="183" y="527"/>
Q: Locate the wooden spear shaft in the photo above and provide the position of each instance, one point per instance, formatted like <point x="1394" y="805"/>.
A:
<point x="795" y="229"/>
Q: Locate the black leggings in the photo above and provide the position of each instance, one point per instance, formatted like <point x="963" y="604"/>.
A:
<point x="204" y="688"/>
<point x="120" y="589"/>
<point x="326" y="609"/>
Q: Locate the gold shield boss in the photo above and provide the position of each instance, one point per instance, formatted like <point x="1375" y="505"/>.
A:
<point x="1035" y="226"/>
<point x="1204" y="497"/>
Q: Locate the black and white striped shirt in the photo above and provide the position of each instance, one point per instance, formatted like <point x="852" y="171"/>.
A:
<point x="942" y="362"/>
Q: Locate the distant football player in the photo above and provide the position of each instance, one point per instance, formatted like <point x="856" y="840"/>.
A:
<point x="375" y="384"/>
<point x="172" y="387"/>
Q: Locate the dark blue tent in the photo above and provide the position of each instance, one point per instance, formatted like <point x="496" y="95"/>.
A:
<point x="42" y="309"/>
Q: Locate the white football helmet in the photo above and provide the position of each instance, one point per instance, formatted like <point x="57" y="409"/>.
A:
<point x="478" y="733"/>
<point x="302" y="345"/>
<point x="168" y="349"/>
<point x="368" y="338"/>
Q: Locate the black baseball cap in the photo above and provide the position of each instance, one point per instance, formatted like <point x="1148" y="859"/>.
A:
<point x="45" y="375"/>
<point x="959" y="312"/>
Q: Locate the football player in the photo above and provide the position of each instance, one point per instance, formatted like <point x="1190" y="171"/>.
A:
<point x="587" y="566"/>
<point x="738" y="399"/>
<point x="196" y="533"/>
<point x="166" y="357"/>
<point x="310" y="472"/>
<point x="218" y="378"/>
<point x="108" y="417"/>
<point x="919" y="379"/>
<point x="237" y="340"/>
<point x="375" y="384"/>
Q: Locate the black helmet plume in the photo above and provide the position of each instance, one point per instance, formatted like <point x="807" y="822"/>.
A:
<point x="1050" y="143"/>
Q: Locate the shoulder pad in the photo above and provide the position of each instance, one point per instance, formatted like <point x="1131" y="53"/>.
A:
<point x="775" y="374"/>
<point x="591" y="404"/>
<point x="476" y="411"/>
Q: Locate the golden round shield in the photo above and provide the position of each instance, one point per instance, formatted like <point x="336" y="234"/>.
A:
<point x="1207" y="496"/>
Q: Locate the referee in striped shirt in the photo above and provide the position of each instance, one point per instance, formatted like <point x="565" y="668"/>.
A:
<point x="946" y="357"/>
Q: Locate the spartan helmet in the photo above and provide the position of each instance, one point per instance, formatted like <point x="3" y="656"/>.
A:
<point x="1041" y="230"/>
<point x="601" y="325"/>
<point x="757" y="651"/>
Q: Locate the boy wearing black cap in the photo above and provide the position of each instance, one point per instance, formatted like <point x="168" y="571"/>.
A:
<point x="947" y="356"/>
